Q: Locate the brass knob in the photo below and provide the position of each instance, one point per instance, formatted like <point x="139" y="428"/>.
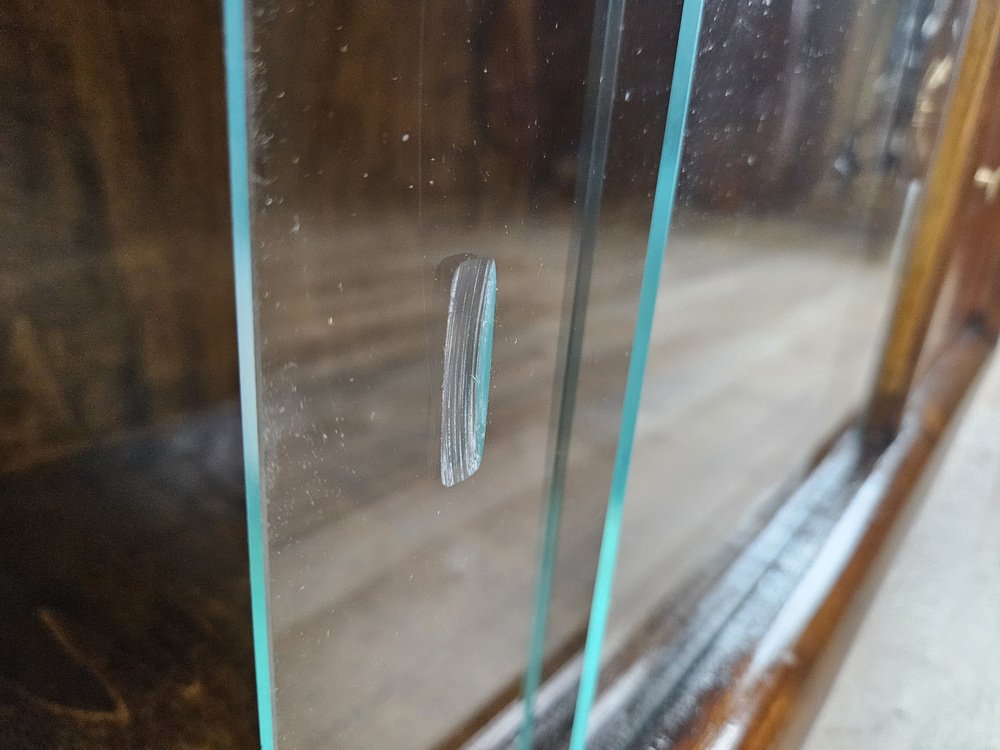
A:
<point x="989" y="180"/>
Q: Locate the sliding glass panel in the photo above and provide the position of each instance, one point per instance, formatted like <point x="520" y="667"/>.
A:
<point x="810" y="128"/>
<point x="445" y="215"/>
<point x="629" y="85"/>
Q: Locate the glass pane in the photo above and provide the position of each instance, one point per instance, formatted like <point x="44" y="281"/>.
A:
<point x="808" y="136"/>
<point x="448" y="216"/>
<point x="631" y="63"/>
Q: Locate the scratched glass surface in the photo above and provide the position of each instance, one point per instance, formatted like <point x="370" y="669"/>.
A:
<point x="809" y="134"/>
<point x="429" y="182"/>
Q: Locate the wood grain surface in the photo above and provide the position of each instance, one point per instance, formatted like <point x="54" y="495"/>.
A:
<point x="125" y="596"/>
<point x="150" y="578"/>
<point x="935" y="237"/>
<point x="381" y="580"/>
<point x="116" y="306"/>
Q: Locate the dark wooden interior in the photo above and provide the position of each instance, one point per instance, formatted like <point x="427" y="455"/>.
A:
<point x="124" y="593"/>
<point x="115" y="225"/>
<point x="116" y="309"/>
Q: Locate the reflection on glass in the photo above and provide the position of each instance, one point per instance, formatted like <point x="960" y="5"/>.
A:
<point x="809" y="131"/>
<point x="392" y="144"/>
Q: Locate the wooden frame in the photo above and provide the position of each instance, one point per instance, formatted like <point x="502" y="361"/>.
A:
<point x="934" y="236"/>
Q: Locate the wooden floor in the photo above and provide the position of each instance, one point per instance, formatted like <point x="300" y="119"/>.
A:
<point x="400" y="609"/>
<point x="923" y="672"/>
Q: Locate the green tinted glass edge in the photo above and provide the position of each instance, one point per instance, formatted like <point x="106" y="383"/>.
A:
<point x="484" y="358"/>
<point x="234" y="33"/>
<point x="599" y="106"/>
<point x="659" y="230"/>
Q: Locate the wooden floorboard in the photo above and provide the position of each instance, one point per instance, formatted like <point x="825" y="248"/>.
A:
<point x="399" y="609"/>
<point x="383" y="581"/>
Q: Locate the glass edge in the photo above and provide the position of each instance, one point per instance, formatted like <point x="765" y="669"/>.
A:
<point x="659" y="229"/>
<point x="234" y="46"/>
<point x="600" y="97"/>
